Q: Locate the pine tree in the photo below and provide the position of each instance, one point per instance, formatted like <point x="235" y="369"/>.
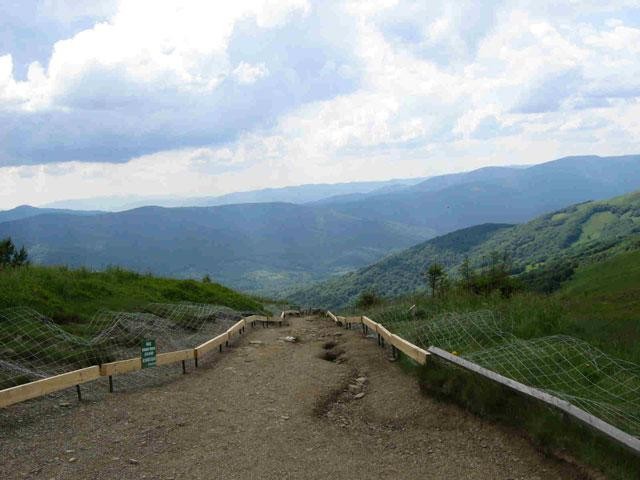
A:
<point x="10" y="257"/>
<point x="435" y="277"/>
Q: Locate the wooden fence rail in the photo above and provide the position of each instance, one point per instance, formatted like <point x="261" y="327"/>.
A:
<point x="27" y="391"/>
<point x="38" y="388"/>
<point x="421" y="357"/>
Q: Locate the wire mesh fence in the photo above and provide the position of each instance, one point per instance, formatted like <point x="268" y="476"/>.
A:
<point x="33" y="347"/>
<point x="563" y="366"/>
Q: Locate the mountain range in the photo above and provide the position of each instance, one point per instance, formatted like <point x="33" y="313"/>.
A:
<point x="295" y="194"/>
<point x="323" y="231"/>
<point x="499" y="194"/>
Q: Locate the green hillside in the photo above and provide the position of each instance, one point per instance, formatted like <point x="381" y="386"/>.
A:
<point x="261" y="248"/>
<point x="581" y="233"/>
<point x="602" y="300"/>
<point x="72" y="297"/>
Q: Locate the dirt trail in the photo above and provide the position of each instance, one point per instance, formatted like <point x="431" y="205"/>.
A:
<point x="274" y="410"/>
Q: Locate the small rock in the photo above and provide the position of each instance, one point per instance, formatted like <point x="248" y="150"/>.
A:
<point x="361" y="380"/>
<point x="359" y="396"/>
<point x="285" y="417"/>
<point x="69" y="451"/>
<point x="133" y="461"/>
<point x="355" y="389"/>
<point x="289" y="339"/>
<point x="64" y="404"/>
<point x="72" y="459"/>
<point x="256" y="342"/>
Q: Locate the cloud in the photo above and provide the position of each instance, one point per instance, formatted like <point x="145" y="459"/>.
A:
<point x="205" y="98"/>
<point x="551" y="91"/>
<point x="247" y="74"/>
<point x="188" y="78"/>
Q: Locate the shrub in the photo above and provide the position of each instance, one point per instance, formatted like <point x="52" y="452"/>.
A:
<point x="368" y="300"/>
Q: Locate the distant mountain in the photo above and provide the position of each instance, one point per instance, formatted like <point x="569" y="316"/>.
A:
<point x="578" y="232"/>
<point x="498" y="194"/>
<point x="27" y="211"/>
<point x="305" y="193"/>
<point x="255" y="247"/>
<point x="296" y="194"/>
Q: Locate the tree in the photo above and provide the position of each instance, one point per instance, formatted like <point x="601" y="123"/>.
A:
<point x="10" y="257"/>
<point x="206" y="279"/>
<point x="466" y="274"/>
<point x="496" y="276"/>
<point x="435" y="278"/>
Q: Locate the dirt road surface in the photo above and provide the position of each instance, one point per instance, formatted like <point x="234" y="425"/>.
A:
<point x="270" y="409"/>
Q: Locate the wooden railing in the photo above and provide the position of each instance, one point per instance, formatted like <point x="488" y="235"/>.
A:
<point x="38" y="388"/>
<point x="422" y="356"/>
<point x="384" y="336"/>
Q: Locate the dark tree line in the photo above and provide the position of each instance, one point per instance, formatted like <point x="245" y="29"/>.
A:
<point x="10" y="256"/>
<point x="495" y="275"/>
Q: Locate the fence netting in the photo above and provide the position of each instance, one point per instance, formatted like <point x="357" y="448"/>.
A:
<point x="563" y="366"/>
<point x="32" y="346"/>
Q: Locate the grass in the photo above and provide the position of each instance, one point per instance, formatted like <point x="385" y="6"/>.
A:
<point x="599" y="304"/>
<point x="595" y="227"/>
<point x="74" y="296"/>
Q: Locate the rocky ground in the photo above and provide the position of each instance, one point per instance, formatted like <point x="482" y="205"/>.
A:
<point x="329" y="405"/>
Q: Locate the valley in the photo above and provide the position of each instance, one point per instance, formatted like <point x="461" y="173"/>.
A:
<point x="338" y="229"/>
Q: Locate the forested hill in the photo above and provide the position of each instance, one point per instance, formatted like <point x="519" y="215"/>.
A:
<point x="253" y="247"/>
<point x="576" y="233"/>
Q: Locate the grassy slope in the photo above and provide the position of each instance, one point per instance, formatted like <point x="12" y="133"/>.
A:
<point x="603" y="302"/>
<point x="592" y="230"/>
<point x="600" y="304"/>
<point x="73" y="296"/>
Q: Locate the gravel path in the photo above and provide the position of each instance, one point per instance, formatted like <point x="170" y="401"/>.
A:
<point x="270" y="409"/>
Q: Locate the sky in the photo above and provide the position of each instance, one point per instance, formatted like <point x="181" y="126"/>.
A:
<point x="194" y="98"/>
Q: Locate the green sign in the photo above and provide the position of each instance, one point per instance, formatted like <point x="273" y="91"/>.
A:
<point x="148" y="353"/>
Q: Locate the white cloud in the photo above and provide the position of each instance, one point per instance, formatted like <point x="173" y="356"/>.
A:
<point x="155" y="44"/>
<point x="520" y="86"/>
<point x="247" y="74"/>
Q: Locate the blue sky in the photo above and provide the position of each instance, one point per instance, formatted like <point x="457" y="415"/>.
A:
<point x="202" y="98"/>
